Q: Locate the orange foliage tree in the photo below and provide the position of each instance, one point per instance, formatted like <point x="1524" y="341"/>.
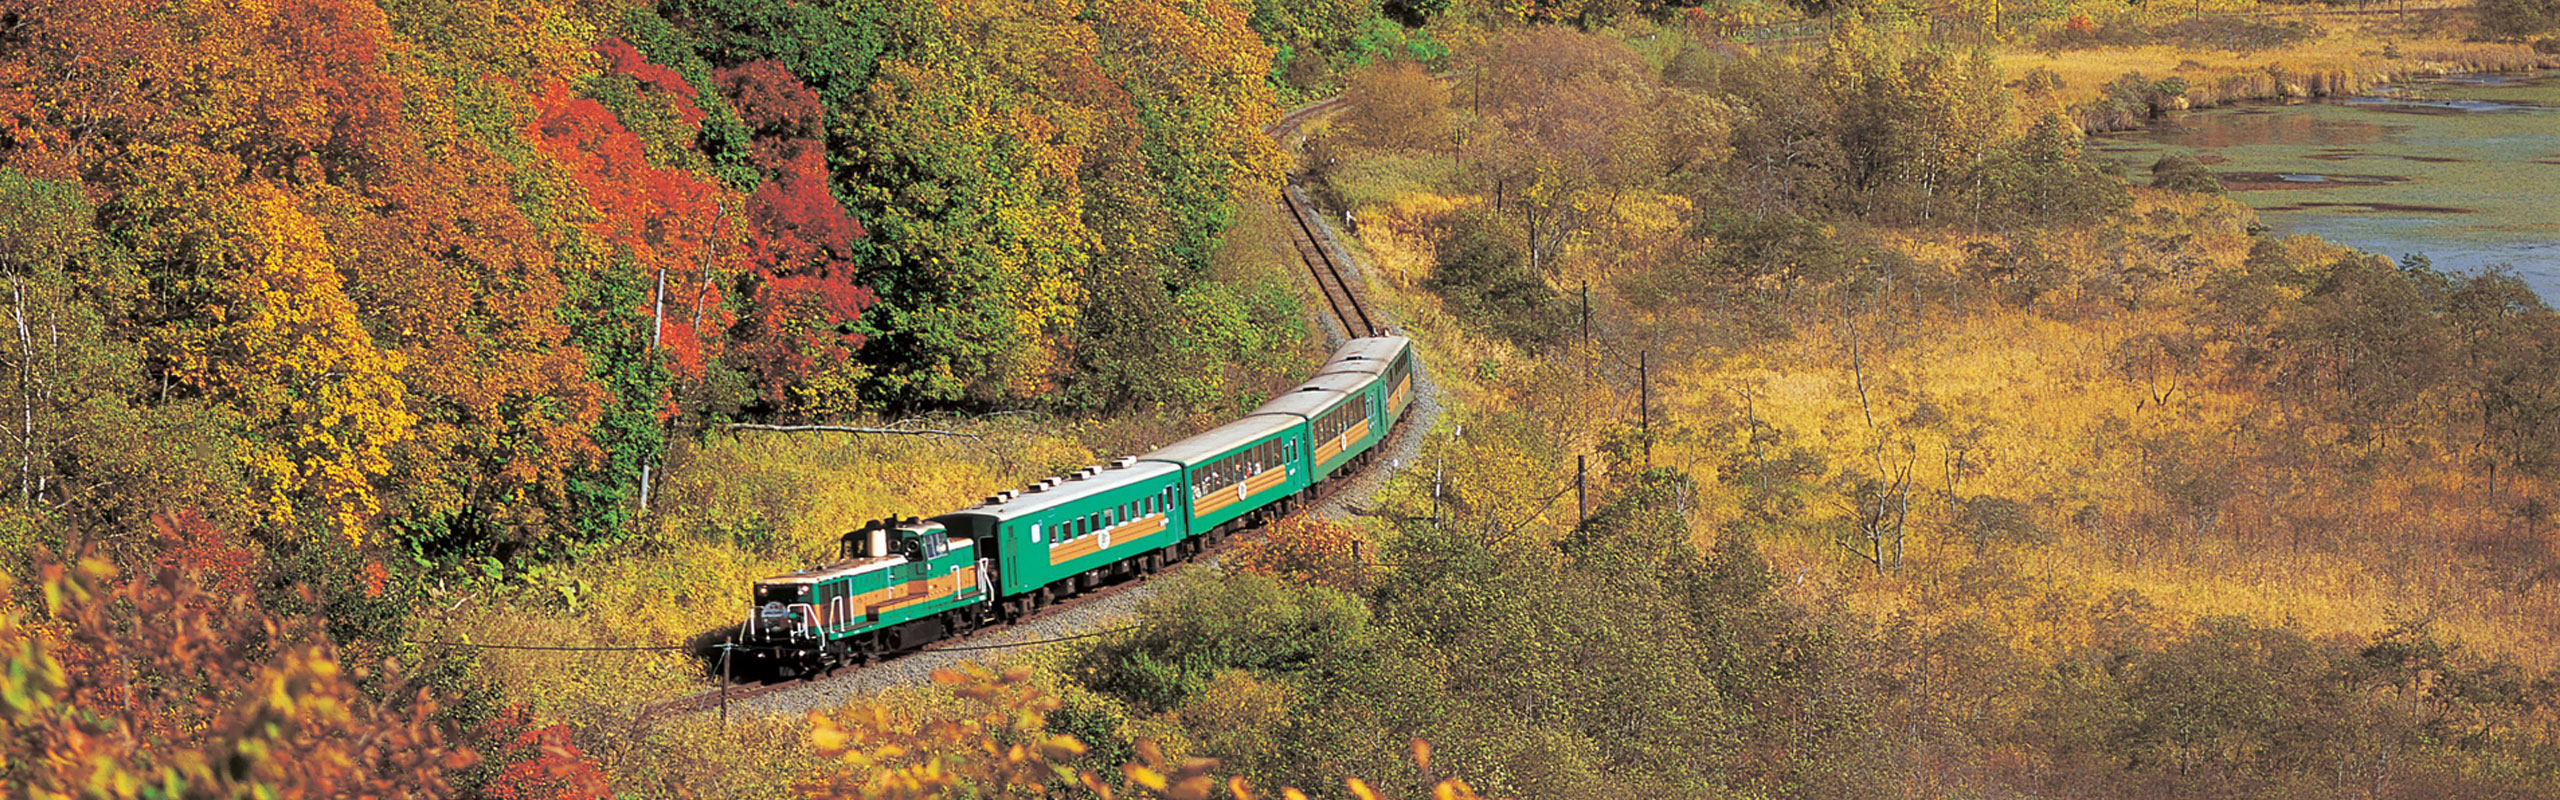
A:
<point x="1302" y="548"/>
<point x="241" y="153"/>
<point x="213" y="697"/>
<point x="671" y="223"/>
<point x="537" y="762"/>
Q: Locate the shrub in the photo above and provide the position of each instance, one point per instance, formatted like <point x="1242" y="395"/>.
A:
<point x="1485" y="277"/>
<point x="2519" y="18"/>
<point x="2181" y="172"/>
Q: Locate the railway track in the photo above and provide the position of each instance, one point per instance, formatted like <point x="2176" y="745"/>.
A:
<point x="1327" y="270"/>
<point x="1306" y="233"/>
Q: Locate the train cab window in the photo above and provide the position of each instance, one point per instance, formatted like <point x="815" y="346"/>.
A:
<point x="936" y="545"/>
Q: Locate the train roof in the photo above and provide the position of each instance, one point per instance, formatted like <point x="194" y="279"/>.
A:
<point x="1303" y="401"/>
<point x="1218" y="441"/>
<point x="1317" y="396"/>
<point x="1070" y="488"/>
<point x="1370" y="348"/>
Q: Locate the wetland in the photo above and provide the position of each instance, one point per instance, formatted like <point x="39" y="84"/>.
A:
<point x="2459" y="169"/>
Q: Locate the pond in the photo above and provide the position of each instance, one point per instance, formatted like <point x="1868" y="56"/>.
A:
<point x="2464" y="170"/>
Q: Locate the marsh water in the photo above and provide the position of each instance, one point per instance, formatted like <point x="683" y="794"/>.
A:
<point x="2464" y="170"/>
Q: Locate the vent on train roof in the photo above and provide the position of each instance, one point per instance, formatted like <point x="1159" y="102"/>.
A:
<point x="1124" y="462"/>
<point x="1045" y="484"/>
<point x="1088" y="471"/>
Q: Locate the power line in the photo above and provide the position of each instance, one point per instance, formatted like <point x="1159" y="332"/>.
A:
<point x="550" y="647"/>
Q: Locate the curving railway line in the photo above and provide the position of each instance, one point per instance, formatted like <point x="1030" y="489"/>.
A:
<point x="1103" y="594"/>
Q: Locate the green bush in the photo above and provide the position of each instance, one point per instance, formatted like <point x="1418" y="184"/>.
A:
<point x="2183" y="173"/>
<point x="1484" y="274"/>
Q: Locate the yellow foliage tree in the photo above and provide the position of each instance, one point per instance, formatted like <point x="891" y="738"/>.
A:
<point x="286" y="348"/>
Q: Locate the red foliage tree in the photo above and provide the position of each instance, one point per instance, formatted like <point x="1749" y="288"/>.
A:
<point x="537" y="762"/>
<point x="194" y="547"/>
<point x="806" y="301"/>
<point x="668" y="220"/>
<point x="624" y="59"/>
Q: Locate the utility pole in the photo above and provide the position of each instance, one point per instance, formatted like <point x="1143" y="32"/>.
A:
<point x="1581" y="502"/>
<point x="1586" y="313"/>
<point x="1435" y="497"/>
<point x="726" y="648"/>
<point x="1644" y="404"/>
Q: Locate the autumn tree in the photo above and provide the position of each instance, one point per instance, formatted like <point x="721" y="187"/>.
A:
<point x="1564" y="131"/>
<point x="531" y="761"/>
<point x="1394" y="105"/>
<point x="216" y="698"/>
<point x="801" y="334"/>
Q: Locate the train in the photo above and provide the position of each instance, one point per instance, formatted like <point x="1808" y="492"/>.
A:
<point x="901" y="583"/>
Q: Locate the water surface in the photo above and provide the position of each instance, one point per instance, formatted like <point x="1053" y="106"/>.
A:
<point x="2465" y="170"/>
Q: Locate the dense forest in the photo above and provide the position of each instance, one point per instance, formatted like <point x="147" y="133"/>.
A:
<point x="1975" y="463"/>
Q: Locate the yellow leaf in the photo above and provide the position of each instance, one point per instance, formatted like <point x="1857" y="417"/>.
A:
<point x="1360" y="789"/>
<point x="1143" y="776"/>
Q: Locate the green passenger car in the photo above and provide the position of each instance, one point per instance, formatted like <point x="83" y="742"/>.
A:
<point x="1244" y="468"/>
<point x="1344" y="416"/>
<point x="1073" y="526"/>
<point x="1388" y="357"/>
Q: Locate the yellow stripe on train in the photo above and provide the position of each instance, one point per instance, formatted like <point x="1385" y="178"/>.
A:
<point x="1230" y="495"/>
<point x="1114" y="536"/>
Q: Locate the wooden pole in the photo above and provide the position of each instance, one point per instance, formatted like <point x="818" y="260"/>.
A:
<point x="726" y="648"/>
<point x="1581" y="501"/>
<point x="1644" y="403"/>
<point x="1586" y="313"/>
